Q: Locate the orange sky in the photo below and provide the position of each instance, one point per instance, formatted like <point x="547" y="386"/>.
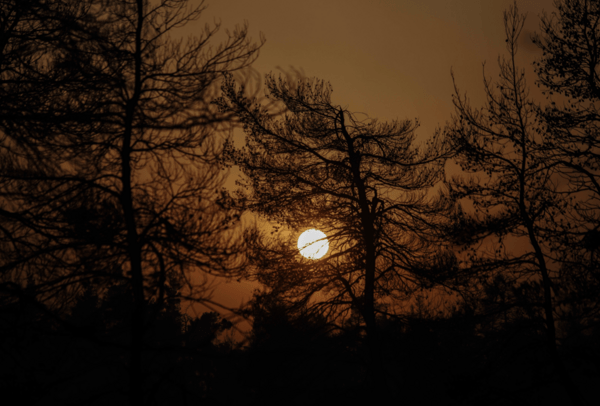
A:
<point x="386" y="58"/>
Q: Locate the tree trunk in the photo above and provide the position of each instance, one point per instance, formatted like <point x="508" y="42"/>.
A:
<point x="564" y="376"/>
<point x="136" y="378"/>
<point x="380" y="386"/>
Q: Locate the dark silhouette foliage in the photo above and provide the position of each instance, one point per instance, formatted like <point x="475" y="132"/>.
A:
<point x="363" y="183"/>
<point x="508" y="147"/>
<point x="480" y="289"/>
<point x="109" y="172"/>
<point x="568" y="73"/>
<point x="83" y="358"/>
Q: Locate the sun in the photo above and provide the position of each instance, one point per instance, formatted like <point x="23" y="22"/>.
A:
<point x="313" y="244"/>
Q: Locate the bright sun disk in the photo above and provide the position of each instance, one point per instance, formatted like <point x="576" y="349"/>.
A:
<point x="313" y="244"/>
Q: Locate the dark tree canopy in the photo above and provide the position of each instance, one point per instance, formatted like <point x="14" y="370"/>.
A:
<point x="367" y="185"/>
<point x="570" y="42"/>
<point x="479" y="289"/>
<point x="519" y="209"/>
<point x="117" y="164"/>
<point x="108" y="156"/>
<point x="569" y="74"/>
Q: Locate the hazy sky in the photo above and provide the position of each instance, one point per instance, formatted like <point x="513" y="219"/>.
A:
<point x="386" y="58"/>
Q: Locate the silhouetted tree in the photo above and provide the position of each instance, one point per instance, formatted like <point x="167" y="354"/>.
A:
<point x="514" y="195"/>
<point x="64" y="363"/>
<point x="365" y="184"/>
<point x="108" y="154"/>
<point x="569" y="73"/>
<point x="570" y="40"/>
<point x="293" y="354"/>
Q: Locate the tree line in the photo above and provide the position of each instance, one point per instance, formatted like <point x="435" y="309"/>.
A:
<point x="480" y="287"/>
